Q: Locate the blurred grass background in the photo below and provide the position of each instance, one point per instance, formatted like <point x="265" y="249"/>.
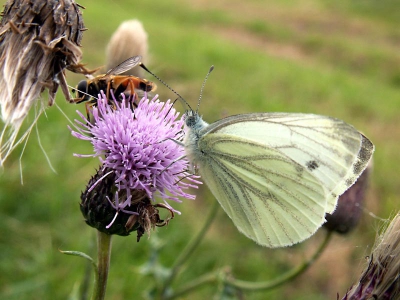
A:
<point x="337" y="58"/>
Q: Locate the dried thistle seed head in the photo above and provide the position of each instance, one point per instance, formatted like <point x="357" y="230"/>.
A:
<point x="128" y="40"/>
<point x="349" y="207"/>
<point x="38" y="41"/>
<point x="381" y="278"/>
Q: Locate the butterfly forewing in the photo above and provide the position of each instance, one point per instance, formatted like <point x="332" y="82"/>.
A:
<point x="269" y="197"/>
<point x="333" y="151"/>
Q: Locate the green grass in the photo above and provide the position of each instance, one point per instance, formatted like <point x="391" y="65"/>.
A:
<point x="337" y="59"/>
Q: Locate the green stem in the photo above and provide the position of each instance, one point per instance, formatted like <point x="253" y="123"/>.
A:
<point x="204" y="279"/>
<point x="185" y="254"/>
<point x="222" y="276"/>
<point x="103" y="264"/>
<point x="266" y="285"/>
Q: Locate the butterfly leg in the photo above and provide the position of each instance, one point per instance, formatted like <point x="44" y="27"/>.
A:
<point x="174" y="161"/>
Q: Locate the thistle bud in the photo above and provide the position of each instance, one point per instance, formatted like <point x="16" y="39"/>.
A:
<point x="349" y="206"/>
<point x="105" y="208"/>
<point x="96" y="208"/>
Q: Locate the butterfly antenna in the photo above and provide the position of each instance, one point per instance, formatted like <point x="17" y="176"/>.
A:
<point x="76" y="90"/>
<point x="202" y="87"/>
<point x="164" y="83"/>
<point x="169" y="110"/>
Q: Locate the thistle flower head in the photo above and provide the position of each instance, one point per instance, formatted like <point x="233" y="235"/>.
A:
<point x="140" y="149"/>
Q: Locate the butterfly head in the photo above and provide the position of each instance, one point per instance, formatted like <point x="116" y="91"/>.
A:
<point x="194" y="121"/>
<point x="191" y="118"/>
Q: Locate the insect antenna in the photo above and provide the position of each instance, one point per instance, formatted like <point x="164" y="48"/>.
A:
<point x="173" y="103"/>
<point x="76" y="90"/>
<point x="202" y="87"/>
<point x="184" y="102"/>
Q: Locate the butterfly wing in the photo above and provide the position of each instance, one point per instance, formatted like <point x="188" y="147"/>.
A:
<point x="277" y="174"/>
<point x="269" y="197"/>
<point x="332" y="150"/>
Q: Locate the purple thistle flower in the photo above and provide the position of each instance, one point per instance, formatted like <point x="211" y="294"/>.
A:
<point x="136" y="145"/>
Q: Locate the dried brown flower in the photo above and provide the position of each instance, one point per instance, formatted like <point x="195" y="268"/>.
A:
<point x="381" y="279"/>
<point x="38" y="41"/>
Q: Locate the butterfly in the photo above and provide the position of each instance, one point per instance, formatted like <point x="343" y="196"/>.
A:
<point x="276" y="175"/>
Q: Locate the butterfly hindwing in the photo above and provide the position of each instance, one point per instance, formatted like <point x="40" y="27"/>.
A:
<point x="269" y="197"/>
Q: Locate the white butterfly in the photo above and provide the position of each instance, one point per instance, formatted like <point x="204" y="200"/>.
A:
<point x="276" y="175"/>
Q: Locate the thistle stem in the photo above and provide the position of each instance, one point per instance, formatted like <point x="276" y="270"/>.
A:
<point x="103" y="264"/>
<point x="223" y="277"/>
<point x="185" y="254"/>
<point x="267" y="285"/>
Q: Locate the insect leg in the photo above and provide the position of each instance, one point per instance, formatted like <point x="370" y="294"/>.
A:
<point x="133" y="95"/>
<point x="174" y="161"/>
<point x="108" y="90"/>
<point x="62" y="81"/>
<point x="88" y="106"/>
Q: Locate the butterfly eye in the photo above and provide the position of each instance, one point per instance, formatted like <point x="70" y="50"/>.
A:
<point x="190" y="121"/>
